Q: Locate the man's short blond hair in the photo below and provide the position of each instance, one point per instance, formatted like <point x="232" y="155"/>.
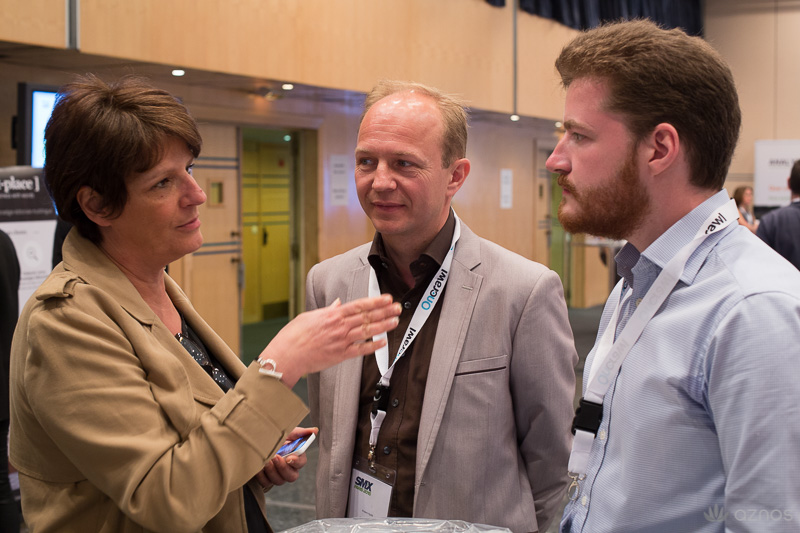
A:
<point x="452" y="108"/>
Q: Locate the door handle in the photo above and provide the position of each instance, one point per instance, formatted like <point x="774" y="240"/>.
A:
<point x="264" y="236"/>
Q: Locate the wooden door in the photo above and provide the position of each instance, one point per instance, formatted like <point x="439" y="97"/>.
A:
<point x="211" y="276"/>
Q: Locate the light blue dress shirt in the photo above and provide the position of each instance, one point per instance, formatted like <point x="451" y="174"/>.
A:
<point x="701" y="428"/>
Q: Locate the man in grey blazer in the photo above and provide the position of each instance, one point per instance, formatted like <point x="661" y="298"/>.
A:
<point x="467" y="414"/>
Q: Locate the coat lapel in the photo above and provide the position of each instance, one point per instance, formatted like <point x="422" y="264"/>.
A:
<point x="169" y="385"/>
<point x="204" y="389"/>
<point x="463" y="286"/>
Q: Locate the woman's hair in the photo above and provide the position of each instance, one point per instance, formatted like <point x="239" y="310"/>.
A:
<point x="738" y="195"/>
<point x="100" y="134"/>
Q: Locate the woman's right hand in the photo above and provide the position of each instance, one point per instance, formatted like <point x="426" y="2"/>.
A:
<point x="318" y="339"/>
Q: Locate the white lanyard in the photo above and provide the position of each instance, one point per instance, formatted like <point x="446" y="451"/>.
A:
<point x="421" y="314"/>
<point x="610" y="354"/>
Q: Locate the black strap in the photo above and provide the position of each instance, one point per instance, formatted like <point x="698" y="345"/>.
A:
<point x="380" y="402"/>
<point x="588" y="416"/>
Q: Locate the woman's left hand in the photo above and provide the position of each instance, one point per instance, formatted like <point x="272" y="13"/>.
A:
<point x="280" y="470"/>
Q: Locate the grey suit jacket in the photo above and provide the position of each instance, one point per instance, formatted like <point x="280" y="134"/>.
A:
<point x="494" y="434"/>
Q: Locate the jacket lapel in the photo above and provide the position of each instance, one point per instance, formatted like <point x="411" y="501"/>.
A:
<point x="344" y="387"/>
<point x="460" y="296"/>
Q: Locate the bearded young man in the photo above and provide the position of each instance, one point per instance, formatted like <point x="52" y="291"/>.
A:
<point x="688" y="420"/>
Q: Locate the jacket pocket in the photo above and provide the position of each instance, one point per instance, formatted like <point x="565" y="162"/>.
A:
<point x="477" y="366"/>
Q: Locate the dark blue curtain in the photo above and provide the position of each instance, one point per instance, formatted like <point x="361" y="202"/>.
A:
<point x="583" y="14"/>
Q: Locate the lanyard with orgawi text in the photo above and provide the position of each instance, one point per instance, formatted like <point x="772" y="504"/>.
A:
<point x="610" y="353"/>
<point x="381" y="400"/>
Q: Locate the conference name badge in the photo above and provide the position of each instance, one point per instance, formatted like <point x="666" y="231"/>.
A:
<point x="370" y="492"/>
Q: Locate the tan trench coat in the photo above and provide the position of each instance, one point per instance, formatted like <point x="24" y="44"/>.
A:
<point x="114" y="427"/>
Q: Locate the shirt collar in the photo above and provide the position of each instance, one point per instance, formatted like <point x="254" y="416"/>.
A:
<point x="671" y="241"/>
<point x="436" y="250"/>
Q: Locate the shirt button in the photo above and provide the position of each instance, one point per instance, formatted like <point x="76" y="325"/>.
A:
<point x="601" y="434"/>
<point x="407" y="305"/>
<point x="384" y="265"/>
<point x="584" y="501"/>
<point x="395" y="402"/>
<point x="387" y="450"/>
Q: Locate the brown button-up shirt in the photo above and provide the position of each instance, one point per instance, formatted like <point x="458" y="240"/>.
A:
<point x="397" y="441"/>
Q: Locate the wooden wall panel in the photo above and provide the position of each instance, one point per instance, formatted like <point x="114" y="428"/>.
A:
<point x="787" y="76"/>
<point x="729" y="27"/>
<point x="492" y="148"/>
<point x="39" y="22"/>
<point x="596" y="279"/>
<point x="589" y="277"/>
<point x="539" y="87"/>
<point x="307" y="201"/>
<point x="462" y="46"/>
<point x="340" y="227"/>
<point x="760" y="42"/>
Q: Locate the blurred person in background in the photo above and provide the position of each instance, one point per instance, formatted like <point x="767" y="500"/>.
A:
<point x="744" y="201"/>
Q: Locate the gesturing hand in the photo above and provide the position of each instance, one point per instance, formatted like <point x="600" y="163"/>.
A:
<point x="318" y="339"/>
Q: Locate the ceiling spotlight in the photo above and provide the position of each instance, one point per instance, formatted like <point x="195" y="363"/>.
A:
<point x="514" y="117"/>
<point x="178" y="72"/>
<point x="287" y="86"/>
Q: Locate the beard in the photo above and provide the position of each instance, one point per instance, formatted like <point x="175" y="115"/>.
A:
<point x="613" y="210"/>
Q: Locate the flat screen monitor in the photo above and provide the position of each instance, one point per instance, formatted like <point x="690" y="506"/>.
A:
<point x="35" y="104"/>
